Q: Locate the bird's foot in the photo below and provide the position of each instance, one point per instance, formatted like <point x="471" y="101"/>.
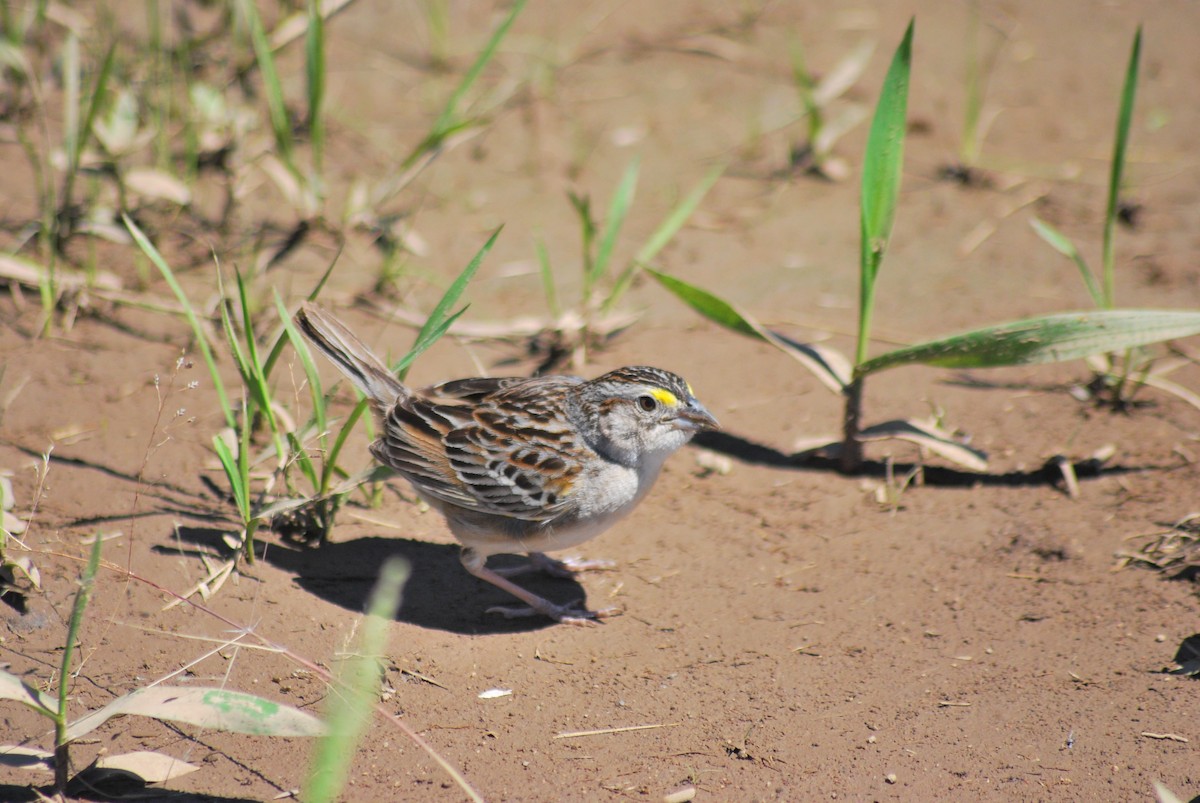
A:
<point x="568" y="567"/>
<point x="570" y="614"/>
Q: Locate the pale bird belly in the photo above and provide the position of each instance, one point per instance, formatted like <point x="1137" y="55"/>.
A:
<point x="613" y="499"/>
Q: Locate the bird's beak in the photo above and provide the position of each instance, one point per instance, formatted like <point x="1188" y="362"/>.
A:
<point x="696" y="418"/>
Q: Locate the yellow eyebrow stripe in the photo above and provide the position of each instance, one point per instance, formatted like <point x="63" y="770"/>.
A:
<point x="665" y="397"/>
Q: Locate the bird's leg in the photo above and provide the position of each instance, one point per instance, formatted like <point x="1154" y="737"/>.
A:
<point x="567" y="568"/>
<point x="473" y="562"/>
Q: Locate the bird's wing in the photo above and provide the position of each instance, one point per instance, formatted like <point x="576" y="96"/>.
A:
<point x="512" y="455"/>
<point x="470" y="390"/>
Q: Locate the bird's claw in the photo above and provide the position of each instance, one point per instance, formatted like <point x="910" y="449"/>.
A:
<point x="570" y="614"/>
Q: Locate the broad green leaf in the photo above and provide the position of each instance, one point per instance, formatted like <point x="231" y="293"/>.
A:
<point x="882" y="170"/>
<point x="827" y="365"/>
<point x="885" y="152"/>
<point x="219" y="709"/>
<point x="1052" y="338"/>
<point x="13" y="688"/>
<point x="348" y="707"/>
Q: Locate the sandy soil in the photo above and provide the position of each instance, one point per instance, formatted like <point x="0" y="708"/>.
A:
<point x="786" y="635"/>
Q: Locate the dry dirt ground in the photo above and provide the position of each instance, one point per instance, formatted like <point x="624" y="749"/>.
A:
<point x="786" y="635"/>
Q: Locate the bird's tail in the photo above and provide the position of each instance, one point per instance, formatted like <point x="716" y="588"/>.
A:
<point x="350" y="355"/>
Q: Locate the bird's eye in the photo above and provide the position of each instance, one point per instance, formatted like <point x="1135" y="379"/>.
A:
<point x="648" y="403"/>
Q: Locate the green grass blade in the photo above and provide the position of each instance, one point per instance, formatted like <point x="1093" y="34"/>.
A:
<point x="235" y="347"/>
<point x="281" y="127"/>
<point x="1063" y="245"/>
<point x="882" y="171"/>
<point x="448" y="120"/>
<point x="805" y="85"/>
<point x="618" y="210"/>
<point x="662" y="235"/>
<point x="968" y="149"/>
<point x="883" y="163"/>
<point x="197" y="330"/>
<point x="292" y="335"/>
<point x="314" y="71"/>
<point x="331" y="459"/>
<point x="86" y="582"/>
<point x="1117" y="169"/>
<point x="439" y="320"/>
<point x="348" y="711"/>
<point x="715" y="309"/>
<point x="1051" y="338"/>
<point x="582" y="204"/>
<point x="277" y="349"/>
<point x="233" y="473"/>
<point x="78" y="131"/>
<point x="72" y="91"/>
<point x="828" y="366"/>
<point x="259" y="383"/>
<point x="678" y="216"/>
<point x="423" y="343"/>
<point x="304" y="461"/>
<point x="95" y="101"/>
<point x="547" y="274"/>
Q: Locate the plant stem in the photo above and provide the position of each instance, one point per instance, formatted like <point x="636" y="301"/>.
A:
<point x="852" y="452"/>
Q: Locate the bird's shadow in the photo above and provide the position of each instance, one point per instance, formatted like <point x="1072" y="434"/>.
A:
<point x="439" y="593"/>
<point x="1048" y="474"/>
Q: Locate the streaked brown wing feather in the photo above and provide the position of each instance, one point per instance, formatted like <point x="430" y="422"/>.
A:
<point x="470" y="390"/>
<point x="512" y="455"/>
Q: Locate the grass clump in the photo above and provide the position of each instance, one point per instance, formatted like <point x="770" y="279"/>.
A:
<point x="1049" y="338"/>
